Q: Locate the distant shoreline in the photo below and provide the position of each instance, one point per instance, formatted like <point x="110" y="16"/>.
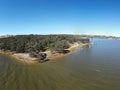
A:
<point x="24" y="57"/>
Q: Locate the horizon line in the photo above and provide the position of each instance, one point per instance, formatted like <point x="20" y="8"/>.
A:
<point x="61" y="34"/>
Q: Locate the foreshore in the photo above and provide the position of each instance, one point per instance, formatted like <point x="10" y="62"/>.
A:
<point x="23" y="57"/>
<point x="27" y="59"/>
<point x="72" y="49"/>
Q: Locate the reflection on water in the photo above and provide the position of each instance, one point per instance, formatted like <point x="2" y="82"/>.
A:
<point x="95" y="67"/>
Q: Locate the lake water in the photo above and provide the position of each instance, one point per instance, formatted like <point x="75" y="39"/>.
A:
<point x="95" y="67"/>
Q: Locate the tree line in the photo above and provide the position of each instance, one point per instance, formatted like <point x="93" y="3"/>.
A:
<point x="39" y="43"/>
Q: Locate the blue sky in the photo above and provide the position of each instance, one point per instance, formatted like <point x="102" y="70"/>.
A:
<point x="60" y="17"/>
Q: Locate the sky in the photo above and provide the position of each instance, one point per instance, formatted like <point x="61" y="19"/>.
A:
<point x="101" y="17"/>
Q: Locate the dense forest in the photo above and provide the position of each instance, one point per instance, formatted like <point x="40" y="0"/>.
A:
<point x="39" y="43"/>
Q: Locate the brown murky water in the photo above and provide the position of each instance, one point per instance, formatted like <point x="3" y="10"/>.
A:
<point x="91" y="68"/>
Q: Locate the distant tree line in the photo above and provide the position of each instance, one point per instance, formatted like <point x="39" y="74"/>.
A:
<point x="39" y="43"/>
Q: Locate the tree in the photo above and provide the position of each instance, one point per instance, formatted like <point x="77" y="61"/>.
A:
<point x="60" y="46"/>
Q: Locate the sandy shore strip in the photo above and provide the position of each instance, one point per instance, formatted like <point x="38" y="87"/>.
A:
<point x="72" y="49"/>
<point x="27" y="59"/>
<point x="24" y="57"/>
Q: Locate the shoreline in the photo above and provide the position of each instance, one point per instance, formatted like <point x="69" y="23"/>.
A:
<point x="72" y="50"/>
<point x="17" y="57"/>
<point x="24" y="57"/>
